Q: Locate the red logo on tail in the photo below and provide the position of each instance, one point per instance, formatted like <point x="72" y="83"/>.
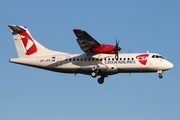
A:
<point x="142" y="58"/>
<point x="28" y="43"/>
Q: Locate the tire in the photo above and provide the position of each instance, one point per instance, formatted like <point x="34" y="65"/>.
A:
<point x="93" y="74"/>
<point x="160" y="76"/>
<point x="100" y="80"/>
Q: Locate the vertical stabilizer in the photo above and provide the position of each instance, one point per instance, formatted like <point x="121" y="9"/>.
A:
<point x="26" y="46"/>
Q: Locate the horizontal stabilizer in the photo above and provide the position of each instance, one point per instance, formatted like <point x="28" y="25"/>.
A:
<point x="16" y="28"/>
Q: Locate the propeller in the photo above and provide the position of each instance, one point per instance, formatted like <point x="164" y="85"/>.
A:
<point x="117" y="49"/>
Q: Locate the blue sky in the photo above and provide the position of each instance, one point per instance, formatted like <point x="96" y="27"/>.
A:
<point x="141" y="25"/>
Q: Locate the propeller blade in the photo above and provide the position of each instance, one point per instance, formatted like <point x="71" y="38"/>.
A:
<point x="116" y="55"/>
<point x="117" y="49"/>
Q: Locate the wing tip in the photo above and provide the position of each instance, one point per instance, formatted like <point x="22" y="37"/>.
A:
<point x="77" y="29"/>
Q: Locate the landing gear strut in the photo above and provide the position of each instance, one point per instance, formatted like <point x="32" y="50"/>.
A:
<point x="95" y="71"/>
<point x="160" y="74"/>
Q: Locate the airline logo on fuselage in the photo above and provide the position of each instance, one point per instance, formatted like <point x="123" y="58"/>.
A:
<point x="142" y="58"/>
<point x="28" y="43"/>
<point x="121" y="62"/>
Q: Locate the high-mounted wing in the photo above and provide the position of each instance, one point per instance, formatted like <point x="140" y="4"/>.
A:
<point x="85" y="41"/>
<point x="90" y="46"/>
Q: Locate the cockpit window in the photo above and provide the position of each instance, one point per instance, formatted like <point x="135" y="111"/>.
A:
<point x="157" y="56"/>
<point x="153" y="56"/>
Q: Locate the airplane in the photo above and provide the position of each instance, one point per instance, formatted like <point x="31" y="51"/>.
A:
<point x="94" y="63"/>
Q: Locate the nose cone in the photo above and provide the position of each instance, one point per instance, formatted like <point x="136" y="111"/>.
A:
<point x="169" y="65"/>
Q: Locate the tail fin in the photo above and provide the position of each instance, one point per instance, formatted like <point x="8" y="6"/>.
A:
<point x="26" y="46"/>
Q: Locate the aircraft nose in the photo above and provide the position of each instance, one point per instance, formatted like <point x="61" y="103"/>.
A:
<point x="170" y="65"/>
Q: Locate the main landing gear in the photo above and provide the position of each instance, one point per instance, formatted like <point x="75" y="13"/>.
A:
<point x="94" y="74"/>
<point x="97" y="71"/>
<point x="101" y="80"/>
<point x="160" y="74"/>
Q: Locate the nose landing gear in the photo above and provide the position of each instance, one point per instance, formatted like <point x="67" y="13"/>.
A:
<point x="160" y="74"/>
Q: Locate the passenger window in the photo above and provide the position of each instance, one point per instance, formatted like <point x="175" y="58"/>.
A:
<point x="81" y="59"/>
<point x="92" y="59"/>
<point x="97" y="59"/>
<point x="101" y="59"/>
<point x="89" y="59"/>
<point x="112" y="58"/>
<point x="74" y="59"/>
<point x="108" y="58"/>
<point x="69" y="59"/>
<point x="120" y="58"/>
<point x="105" y="59"/>
<point x="77" y="59"/>
<point x="85" y="59"/>
<point x="124" y="58"/>
<point x="128" y="58"/>
<point x="132" y="58"/>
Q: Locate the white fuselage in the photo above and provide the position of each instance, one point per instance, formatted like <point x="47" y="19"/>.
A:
<point x="84" y="64"/>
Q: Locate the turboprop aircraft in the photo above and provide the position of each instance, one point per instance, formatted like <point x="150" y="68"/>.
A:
<point x="94" y="62"/>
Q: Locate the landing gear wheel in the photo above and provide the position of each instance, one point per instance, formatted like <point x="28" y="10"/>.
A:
<point x="94" y="74"/>
<point x="100" y="80"/>
<point x="160" y="76"/>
